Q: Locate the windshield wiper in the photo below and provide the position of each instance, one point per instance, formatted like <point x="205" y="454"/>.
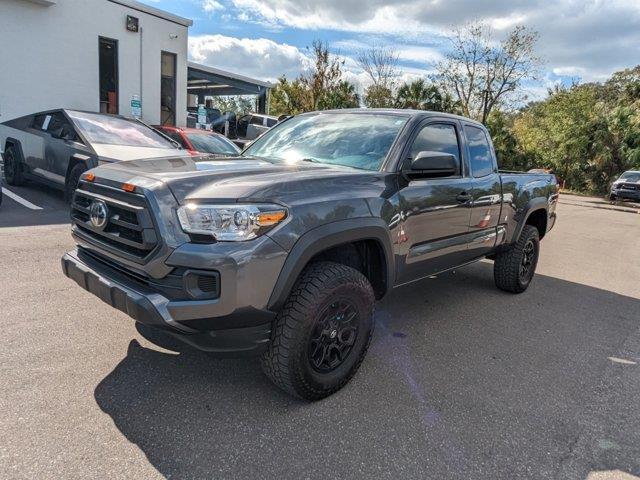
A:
<point x="312" y="160"/>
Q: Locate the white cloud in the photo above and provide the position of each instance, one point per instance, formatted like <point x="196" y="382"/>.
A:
<point x="211" y="6"/>
<point x="265" y="59"/>
<point x="350" y="15"/>
<point x="260" y="58"/>
<point x="590" y="37"/>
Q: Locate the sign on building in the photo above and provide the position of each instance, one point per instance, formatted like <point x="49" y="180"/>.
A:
<point x="136" y="107"/>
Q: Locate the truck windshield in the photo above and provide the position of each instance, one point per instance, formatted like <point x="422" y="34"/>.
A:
<point x="359" y="140"/>
<point x="630" y="177"/>
<point x="105" y="129"/>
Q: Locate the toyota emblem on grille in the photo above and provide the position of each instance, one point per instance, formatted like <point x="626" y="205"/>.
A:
<point x="99" y="213"/>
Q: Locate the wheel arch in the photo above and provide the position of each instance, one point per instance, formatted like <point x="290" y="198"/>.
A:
<point x="76" y="159"/>
<point x="537" y="215"/>
<point x="326" y="243"/>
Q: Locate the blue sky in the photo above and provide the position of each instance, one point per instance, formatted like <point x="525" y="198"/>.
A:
<point x="582" y="40"/>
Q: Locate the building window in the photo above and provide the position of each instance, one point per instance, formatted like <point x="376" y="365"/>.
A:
<point x="108" y="51"/>
<point x="168" y="89"/>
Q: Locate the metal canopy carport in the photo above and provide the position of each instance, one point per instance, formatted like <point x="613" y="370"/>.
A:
<point x="204" y="81"/>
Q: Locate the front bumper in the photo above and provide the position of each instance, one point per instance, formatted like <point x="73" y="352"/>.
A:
<point x="626" y="194"/>
<point x="151" y="308"/>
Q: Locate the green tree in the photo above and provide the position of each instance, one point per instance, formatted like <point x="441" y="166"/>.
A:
<point x="378" y="96"/>
<point x="323" y="87"/>
<point x="505" y="143"/>
<point x="420" y="95"/>
<point x="482" y="73"/>
<point x="344" y="95"/>
<point x="381" y="66"/>
<point x="240" y="104"/>
<point x="324" y="78"/>
<point x="289" y="98"/>
<point x="558" y="133"/>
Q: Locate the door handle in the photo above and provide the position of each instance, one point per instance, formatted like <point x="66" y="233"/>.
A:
<point x="463" y="197"/>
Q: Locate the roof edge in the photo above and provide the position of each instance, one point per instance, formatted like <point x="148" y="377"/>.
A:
<point x="156" y="12"/>
<point x="225" y="73"/>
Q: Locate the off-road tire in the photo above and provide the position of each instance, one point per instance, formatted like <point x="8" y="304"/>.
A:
<point x="72" y="181"/>
<point x="12" y="169"/>
<point x="507" y="265"/>
<point x="287" y="361"/>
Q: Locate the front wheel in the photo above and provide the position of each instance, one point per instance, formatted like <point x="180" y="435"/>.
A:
<point x="12" y="167"/>
<point x="514" y="268"/>
<point x="321" y="336"/>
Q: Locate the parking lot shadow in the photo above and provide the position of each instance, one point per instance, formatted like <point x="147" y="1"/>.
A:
<point x="461" y="381"/>
<point x="36" y="205"/>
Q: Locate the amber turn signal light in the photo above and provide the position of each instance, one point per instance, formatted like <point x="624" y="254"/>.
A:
<point x="89" y="177"/>
<point x="267" y="219"/>
<point x="128" y="187"/>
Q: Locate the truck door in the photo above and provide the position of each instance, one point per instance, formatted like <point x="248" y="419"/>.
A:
<point x="33" y="144"/>
<point x="486" y="191"/>
<point x="431" y="224"/>
<point x="59" y="148"/>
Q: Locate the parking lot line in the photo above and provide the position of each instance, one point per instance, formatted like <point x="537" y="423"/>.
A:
<point x="19" y="199"/>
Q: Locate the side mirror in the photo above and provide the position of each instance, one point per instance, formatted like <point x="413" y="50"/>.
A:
<point x="434" y="164"/>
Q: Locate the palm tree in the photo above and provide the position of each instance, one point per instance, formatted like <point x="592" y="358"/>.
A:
<point x="422" y="96"/>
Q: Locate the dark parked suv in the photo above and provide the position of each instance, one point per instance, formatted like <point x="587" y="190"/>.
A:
<point x="626" y="187"/>
<point x="284" y="250"/>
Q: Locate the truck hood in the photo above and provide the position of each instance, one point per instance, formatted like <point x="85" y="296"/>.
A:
<point x="241" y="179"/>
<point x="117" y="153"/>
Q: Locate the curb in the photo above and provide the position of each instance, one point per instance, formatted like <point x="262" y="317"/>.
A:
<point x="602" y="207"/>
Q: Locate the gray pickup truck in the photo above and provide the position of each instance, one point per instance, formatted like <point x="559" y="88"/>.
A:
<point x="283" y="251"/>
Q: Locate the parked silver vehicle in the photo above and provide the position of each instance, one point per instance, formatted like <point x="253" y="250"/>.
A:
<point x="56" y="147"/>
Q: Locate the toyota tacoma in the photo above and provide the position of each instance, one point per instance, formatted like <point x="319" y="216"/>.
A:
<point x="283" y="251"/>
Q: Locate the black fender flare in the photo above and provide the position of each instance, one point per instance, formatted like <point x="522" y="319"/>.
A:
<point x="327" y="236"/>
<point x="15" y="143"/>
<point x="532" y="205"/>
<point x="76" y="158"/>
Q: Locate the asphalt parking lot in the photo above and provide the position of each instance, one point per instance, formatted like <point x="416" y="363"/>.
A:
<point x="461" y="381"/>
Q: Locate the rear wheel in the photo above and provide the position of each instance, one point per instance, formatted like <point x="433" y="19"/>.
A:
<point x="322" y="334"/>
<point x="12" y="167"/>
<point x="514" y="268"/>
<point x="72" y="181"/>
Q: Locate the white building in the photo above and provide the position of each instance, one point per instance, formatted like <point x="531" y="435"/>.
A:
<point x="94" y="55"/>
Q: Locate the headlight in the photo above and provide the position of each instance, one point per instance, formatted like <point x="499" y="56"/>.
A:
<point x="231" y="223"/>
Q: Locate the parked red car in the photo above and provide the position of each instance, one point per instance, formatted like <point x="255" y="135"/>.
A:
<point x="198" y="141"/>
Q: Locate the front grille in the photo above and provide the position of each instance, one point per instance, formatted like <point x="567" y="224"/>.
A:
<point x="628" y="186"/>
<point x="128" y="230"/>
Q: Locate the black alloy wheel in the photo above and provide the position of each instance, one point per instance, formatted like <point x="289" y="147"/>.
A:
<point x="334" y="335"/>
<point x="528" y="261"/>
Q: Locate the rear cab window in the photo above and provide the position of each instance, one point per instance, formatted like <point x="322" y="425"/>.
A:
<point x="480" y="153"/>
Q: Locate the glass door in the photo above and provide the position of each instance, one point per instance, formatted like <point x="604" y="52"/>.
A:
<point x="108" y="73"/>
<point x="168" y="89"/>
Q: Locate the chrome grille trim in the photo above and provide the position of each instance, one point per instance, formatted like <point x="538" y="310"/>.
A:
<point x="129" y="231"/>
